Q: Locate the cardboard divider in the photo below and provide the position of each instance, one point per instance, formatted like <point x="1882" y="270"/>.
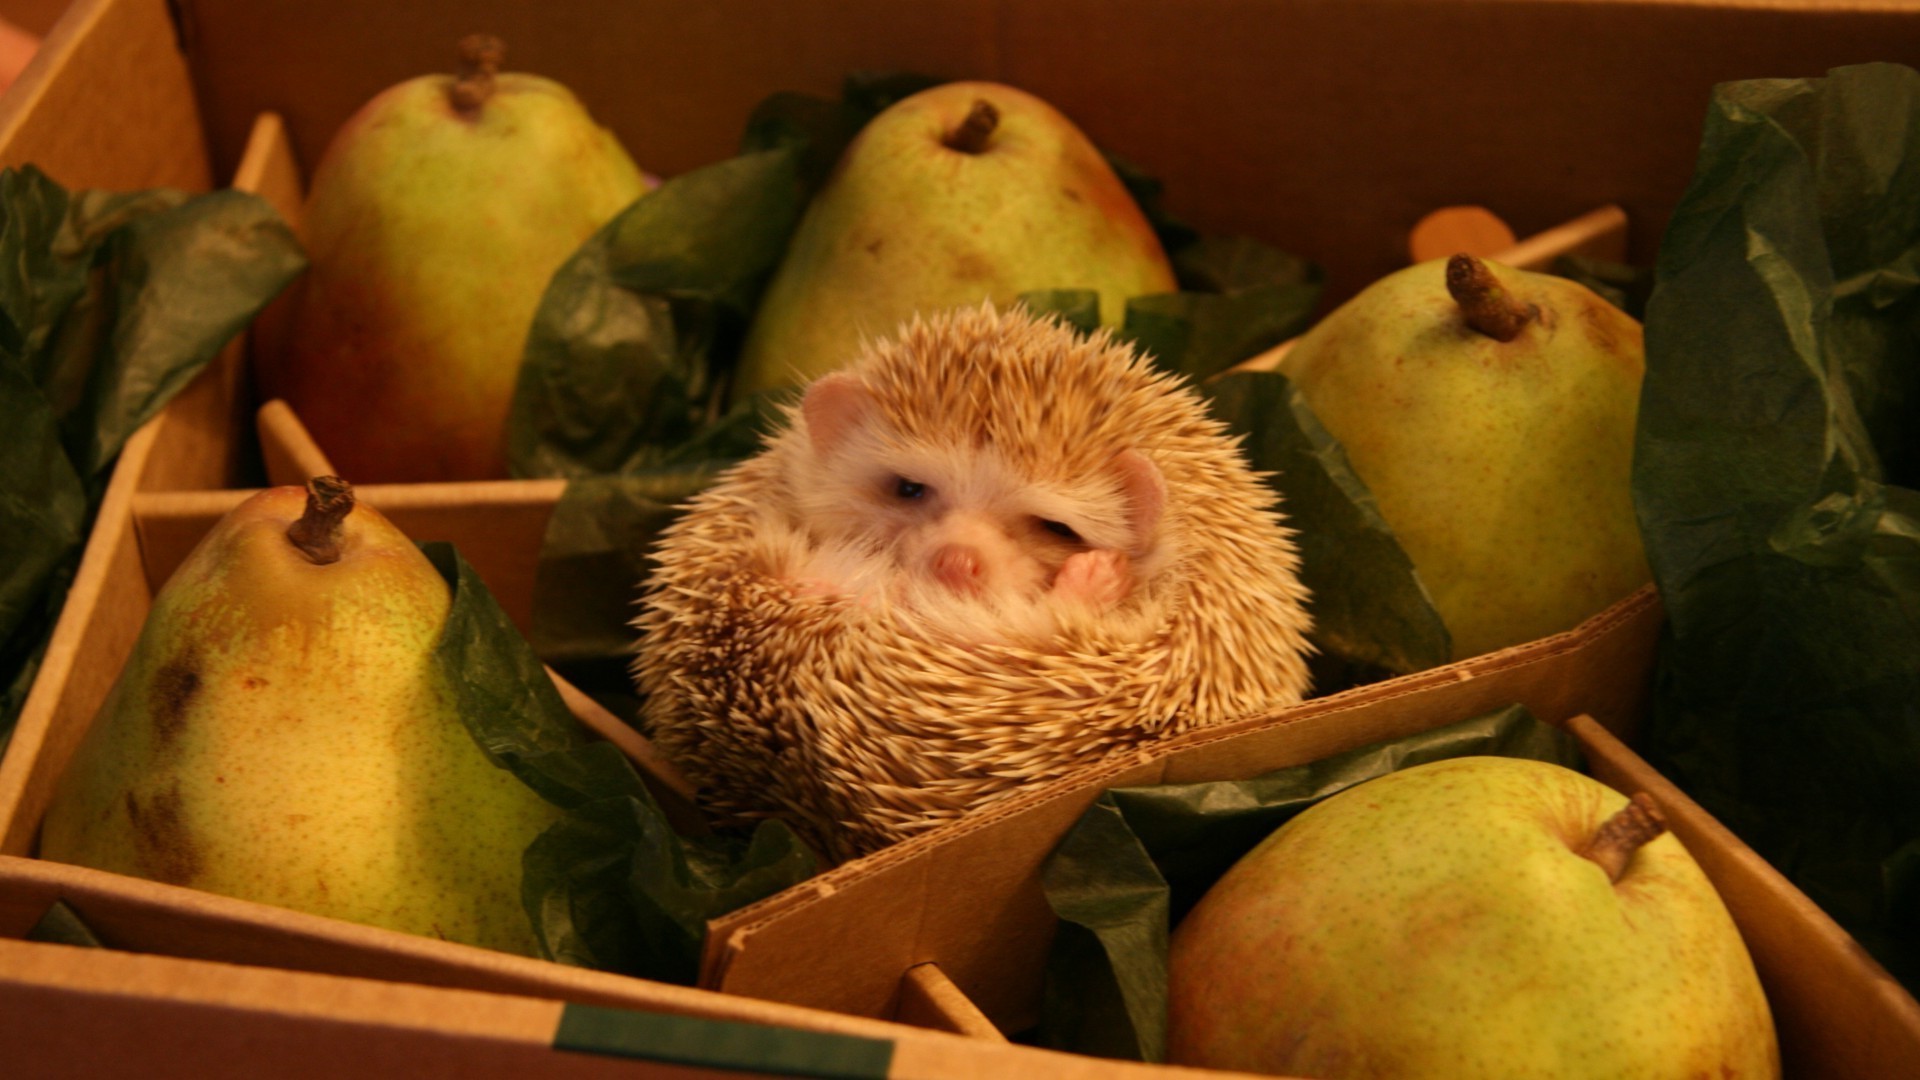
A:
<point x="199" y="1018"/>
<point x="286" y="448"/>
<point x="1598" y="234"/>
<point x="929" y="999"/>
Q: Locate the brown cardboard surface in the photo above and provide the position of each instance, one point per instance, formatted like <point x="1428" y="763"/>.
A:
<point x="1599" y="668"/>
<point x="108" y="102"/>
<point x="968" y="896"/>
<point x="33" y="16"/>
<point x="1328" y="128"/>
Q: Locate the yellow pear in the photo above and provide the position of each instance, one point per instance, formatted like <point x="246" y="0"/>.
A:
<point x="1490" y="411"/>
<point x="966" y="192"/>
<point x="281" y="733"/>
<point x="437" y="217"/>
<point x="1478" y="916"/>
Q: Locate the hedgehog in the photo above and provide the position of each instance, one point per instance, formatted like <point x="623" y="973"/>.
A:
<point x="988" y="552"/>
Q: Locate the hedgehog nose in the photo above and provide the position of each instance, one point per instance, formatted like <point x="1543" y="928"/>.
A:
<point x="958" y="567"/>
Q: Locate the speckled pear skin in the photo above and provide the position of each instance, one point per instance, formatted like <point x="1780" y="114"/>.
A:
<point x="1439" y="921"/>
<point x="280" y="734"/>
<point x="1503" y="467"/>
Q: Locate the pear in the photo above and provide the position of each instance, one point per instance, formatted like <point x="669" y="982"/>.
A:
<point x="281" y="733"/>
<point x="436" y="218"/>
<point x="1491" y="413"/>
<point x="965" y="192"/>
<point x="1477" y="916"/>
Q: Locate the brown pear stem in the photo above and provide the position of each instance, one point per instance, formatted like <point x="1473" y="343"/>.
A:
<point x="972" y="134"/>
<point x="317" y="533"/>
<point x="1624" y="833"/>
<point x="480" y="58"/>
<point x="1486" y="305"/>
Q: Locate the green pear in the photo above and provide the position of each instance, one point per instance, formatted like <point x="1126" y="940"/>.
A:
<point x="1490" y="411"/>
<point x="966" y="192"/>
<point x="281" y="733"/>
<point x="436" y="218"/>
<point x="1478" y="916"/>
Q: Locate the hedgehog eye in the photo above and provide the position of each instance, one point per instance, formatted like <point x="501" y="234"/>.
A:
<point x="1061" y="529"/>
<point x="908" y="489"/>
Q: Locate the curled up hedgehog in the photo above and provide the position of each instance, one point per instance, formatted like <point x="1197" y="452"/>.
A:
<point x="988" y="552"/>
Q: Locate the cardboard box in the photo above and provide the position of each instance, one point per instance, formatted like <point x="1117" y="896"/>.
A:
<point x="1262" y="117"/>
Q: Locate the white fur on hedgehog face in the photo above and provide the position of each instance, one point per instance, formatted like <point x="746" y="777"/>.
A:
<point x="952" y="527"/>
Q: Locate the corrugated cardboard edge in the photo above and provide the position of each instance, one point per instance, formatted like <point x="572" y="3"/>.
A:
<point x="967" y="896"/>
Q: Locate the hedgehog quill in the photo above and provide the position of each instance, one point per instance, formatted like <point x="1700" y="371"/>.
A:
<point x="988" y="552"/>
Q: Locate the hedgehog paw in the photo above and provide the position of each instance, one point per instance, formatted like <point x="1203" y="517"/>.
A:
<point x="1098" y="579"/>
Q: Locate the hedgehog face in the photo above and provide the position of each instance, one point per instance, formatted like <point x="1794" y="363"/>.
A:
<point x="958" y="518"/>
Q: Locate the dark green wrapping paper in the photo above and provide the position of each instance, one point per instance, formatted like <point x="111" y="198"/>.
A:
<point x="109" y="305"/>
<point x="1775" y="480"/>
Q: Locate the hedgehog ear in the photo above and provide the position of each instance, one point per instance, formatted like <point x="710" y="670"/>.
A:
<point x="1145" y="492"/>
<point x="835" y="406"/>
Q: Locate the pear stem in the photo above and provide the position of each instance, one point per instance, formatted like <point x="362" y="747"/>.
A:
<point x="1487" y="306"/>
<point x="1624" y="833"/>
<point x="972" y="134"/>
<point x="480" y="58"/>
<point x="317" y="533"/>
